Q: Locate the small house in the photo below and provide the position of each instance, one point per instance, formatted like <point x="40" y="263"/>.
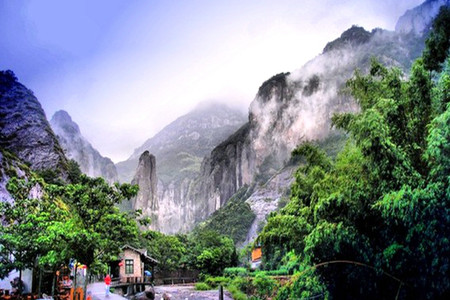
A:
<point x="256" y="258"/>
<point x="132" y="264"/>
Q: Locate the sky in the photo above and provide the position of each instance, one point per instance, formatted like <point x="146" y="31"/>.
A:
<point x="125" y="69"/>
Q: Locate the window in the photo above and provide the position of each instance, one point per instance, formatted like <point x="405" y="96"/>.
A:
<point x="129" y="266"/>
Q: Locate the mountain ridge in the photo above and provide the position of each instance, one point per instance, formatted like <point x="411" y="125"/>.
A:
<point x="77" y="147"/>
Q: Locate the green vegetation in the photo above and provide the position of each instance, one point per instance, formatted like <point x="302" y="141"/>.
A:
<point x="234" y="219"/>
<point x="60" y="222"/>
<point x="372" y="223"/>
<point x="354" y="36"/>
<point x="201" y="286"/>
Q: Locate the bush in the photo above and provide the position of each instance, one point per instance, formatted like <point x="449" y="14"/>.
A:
<point x="215" y="281"/>
<point x="303" y="287"/>
<point x="243" y="284"/>
<point x="237" y="271"/>
<point x="201" y="286"/>
<point x="236" y="293"/>
<point x="264" y="285"/>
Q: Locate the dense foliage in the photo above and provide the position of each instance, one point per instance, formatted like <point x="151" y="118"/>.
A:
<point x="234" y="219"/>
<point x="48" y="224"/>
<point x="374" y="223"/>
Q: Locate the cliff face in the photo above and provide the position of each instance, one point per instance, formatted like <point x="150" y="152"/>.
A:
<point x="418" y="19"/>
<point x="289" y="109"/>
<point x="76" y="147"/>
<point x="24" y="129"/>
<point x="179" y="149"/>
<point x="145" y="178"/>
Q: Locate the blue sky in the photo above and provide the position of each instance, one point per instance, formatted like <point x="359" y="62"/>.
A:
<point x="125" y="69"/>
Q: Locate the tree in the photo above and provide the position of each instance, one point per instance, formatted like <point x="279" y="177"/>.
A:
<point x="32" y="226"/>
<point x="100" y="228"/>
<point x="211" y="252"/>
<point x="438" y="42"/>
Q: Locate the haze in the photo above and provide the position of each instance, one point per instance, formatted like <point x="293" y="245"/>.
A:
<point x="125" y="69"/>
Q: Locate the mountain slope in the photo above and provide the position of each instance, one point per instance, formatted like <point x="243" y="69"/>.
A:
<point x="291" y="108"/>
<point x="177" y="151"/>
<point x="181" y="145"/>
<point x="79" y="149"/>
<point x="24" y="129"/>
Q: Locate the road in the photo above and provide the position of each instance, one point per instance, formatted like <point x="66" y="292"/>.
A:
<point x="175" y="292"/>
<point x="187" y="292"/>
<point x="98" y="292"/>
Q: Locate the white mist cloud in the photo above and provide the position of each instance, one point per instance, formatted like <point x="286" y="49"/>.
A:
<point x="125" y="69"/>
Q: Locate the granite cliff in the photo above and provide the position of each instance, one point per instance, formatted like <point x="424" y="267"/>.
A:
<point x="24" y="129"/>
<point x="179" y="150"/>
<point x="27" y="142"/>
<point x="291" y="108"/>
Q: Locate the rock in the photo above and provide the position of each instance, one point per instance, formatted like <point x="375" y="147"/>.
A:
<point x="145" y="178"/>
<point x="166" y="296"/>
<point x="148" y="294"/>
<point x="24" y="129"/>
<point x="418" y="20"/>
<point x="179" y="149"/>
<point x="76" y="147"/>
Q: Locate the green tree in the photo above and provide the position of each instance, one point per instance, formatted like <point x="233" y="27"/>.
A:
<point x="33" y="226"/>
<point x="211" y="252"/>
<point x="169" y="250"/>
<point x="100" y="229"/>
<point x="438" y="42"/>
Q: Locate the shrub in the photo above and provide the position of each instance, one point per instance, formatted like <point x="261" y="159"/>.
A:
<point x="237" y="271"/>
<point x="201" y="286"/>
<point x="215" y="281"/>
<point x="264" y="285"/>
<point x="243" y="284"/>
<point x="236" y="292"/>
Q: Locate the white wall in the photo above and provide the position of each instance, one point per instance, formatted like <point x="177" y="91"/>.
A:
<point x="27" y="278"/>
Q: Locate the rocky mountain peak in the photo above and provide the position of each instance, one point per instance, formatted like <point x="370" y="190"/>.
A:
<point x="418" y="19"/>
<point x="145" y="178"/>
<point x="353" y="36"/>
<point x="62" y="119"/>
<point x="24" y="129"/>
<point x="76" y="147"/>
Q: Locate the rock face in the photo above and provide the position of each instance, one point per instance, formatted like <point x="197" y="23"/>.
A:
<point x="24" y="129"/>
<point x="418" y="19"/>
<point x="76" y="147"/>
<point x="145" y="178"/>
<point x="289" y="109"/>
<point x="179" y="149"/>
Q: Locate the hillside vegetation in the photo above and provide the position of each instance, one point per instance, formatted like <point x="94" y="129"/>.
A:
<point x="373" y="223"/>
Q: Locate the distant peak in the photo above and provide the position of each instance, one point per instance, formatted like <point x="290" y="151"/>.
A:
<point x="62" y="118"/>
<point x="62" y="115"/>
<point x="419" y="19"/>
<point x="355" y="35"/>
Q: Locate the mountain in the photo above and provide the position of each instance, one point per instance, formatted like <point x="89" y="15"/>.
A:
<point x="27" y="142"/>
<point x="291" y="108"/>
<point x="24" y="129"/>
<point x="180" y="146"/>
<point x="76" y="147"/>
<point x="178" y="149"/>
<point x="418" y="19"/>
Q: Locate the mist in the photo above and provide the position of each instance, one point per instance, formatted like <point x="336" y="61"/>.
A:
<point x="124" y="70"/>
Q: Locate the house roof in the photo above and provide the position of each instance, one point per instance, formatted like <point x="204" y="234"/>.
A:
<point x="143" y="253"/>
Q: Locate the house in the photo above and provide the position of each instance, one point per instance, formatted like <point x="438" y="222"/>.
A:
<point x="131" y="264"/>
<point x="256" y="257"/>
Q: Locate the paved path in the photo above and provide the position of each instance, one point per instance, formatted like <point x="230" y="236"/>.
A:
<point x="187" y="292"/>
<point x="98" y="292"/>
<point x="175" y="292"/>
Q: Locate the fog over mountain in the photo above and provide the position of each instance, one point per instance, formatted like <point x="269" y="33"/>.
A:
<point x="125" y="69"/>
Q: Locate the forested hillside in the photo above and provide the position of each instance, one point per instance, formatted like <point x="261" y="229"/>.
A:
<point x="374" y="222"/>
